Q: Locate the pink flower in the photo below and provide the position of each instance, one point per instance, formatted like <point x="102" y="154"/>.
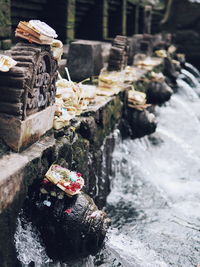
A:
<point x="68" y="211"/>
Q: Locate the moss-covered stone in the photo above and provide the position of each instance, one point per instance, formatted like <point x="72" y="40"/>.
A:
<point x="70" y="24"/>
<point x="6" y="44"/>
<point x="182" y="18"/>
<point x="5" y="20"/>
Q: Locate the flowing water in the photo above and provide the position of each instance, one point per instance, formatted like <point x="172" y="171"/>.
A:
<point x="155" y="199"/>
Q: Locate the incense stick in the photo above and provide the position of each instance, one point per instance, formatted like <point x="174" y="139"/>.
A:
<point x="68" y="76"/>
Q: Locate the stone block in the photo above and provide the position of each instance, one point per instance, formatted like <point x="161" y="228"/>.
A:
<point x="131" y="51"/>
<point x="84" y="60"/>
<point x="141" y="43"/>
<point x="11" y="177"/>
<point x="158" y="93"/>
<point x="19" y="134"/>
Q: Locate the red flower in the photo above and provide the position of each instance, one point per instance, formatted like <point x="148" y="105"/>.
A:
<point x="78" y="174"/>
<point x="68" y="211"/>
<point x="75" y="186"/>
<point x="66" y="187"/>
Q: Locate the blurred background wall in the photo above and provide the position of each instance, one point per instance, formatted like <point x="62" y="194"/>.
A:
<point x="104" y="19"/>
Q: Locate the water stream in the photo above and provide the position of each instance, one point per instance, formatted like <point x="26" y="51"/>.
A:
<point x="154" y="204"/>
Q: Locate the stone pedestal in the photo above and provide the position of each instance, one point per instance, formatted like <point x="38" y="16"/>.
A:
<point x="84" y="60"/>
<point x="19" y="134"/>
<point x="140" y="43"/>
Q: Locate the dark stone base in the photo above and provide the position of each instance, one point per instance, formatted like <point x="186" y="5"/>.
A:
<point x="138" y="123"/>
<point x="158" y="93"/>
<point x="75" y="227"/>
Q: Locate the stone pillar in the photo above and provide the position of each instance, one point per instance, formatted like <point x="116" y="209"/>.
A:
<point x="70" y="24"/>
<point x="116" y="18"/>
<point x="91" y="19"/>
<point x="5" y="24"/>
<point x="147" y="19"/>
<point x="104" y="19"/>
<point x="136" y="30"/>
<point x="84" y="60"/>
<point x="124" y="6"/>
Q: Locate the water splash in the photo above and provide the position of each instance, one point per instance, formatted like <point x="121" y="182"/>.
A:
<point x="186" y="90"/>
<point x="154" y="203"/>
<point x="192" y="70"/>
<point x="28" y="244"/>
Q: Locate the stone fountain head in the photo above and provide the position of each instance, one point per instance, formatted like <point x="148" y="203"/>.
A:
<point x="70" y="227"/>
<point x="158" y="92"/>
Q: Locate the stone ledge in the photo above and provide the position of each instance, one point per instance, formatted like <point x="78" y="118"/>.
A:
<point x="19" y="134"/>
<point x="72" y="149"/>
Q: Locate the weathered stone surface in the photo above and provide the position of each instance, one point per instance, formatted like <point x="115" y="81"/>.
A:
<point x="17" y="173"/>
<point x="161" y="41"/>
<point x="29" y="86"/>
<point x="139" y="43"/>
<point x="6" y="44"/>
<point x="131" y="52"/>
<point x="181" y="14"/>
<point x="84" y="60"/>
<point x="158" y="93"/>
<point x="170" y="71"/>
<point x="140" y="123"/>
<point x="11" y="177"/>
<point x="5" y="21"/>
<point x="182" y="18"/>
<point x="19" y="134"/>
<point x="75" y="228"/>
<point x="118" y="54"/>
<point x="147" y="19"/>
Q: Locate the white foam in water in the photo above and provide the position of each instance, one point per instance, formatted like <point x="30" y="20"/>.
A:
<point x="154" y="203"/>
<point x="135" y="251"/>
<point x="187" y="90"/>
<point x="191" y="77"/>
<point x="156" y="192"/>
<point x="28" y="244"/>
<point x="192" y="70"/>
<point x="192" y="80"/>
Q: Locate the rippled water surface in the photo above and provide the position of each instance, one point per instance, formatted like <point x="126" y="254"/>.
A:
<point x="155" y="200"/>
<point x="154" y="203"/>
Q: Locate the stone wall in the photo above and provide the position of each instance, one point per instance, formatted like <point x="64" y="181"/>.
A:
<point x="5" y="24"/>
<point x="182" y="18"/>
<point x="80" y="19"/>
<point x="83" y="146"/>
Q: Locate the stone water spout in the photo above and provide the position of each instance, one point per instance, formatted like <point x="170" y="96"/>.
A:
<point x="158" y="92"/>
<point x="70" y="227"/>
<point x="140" y="123"/>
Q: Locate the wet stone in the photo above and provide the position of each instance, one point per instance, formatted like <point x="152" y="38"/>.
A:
<point x="75" y="227"/>
<point x="158" y="93"/>
<point x="118" y="53"/>
<point x="139" y="123"/>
